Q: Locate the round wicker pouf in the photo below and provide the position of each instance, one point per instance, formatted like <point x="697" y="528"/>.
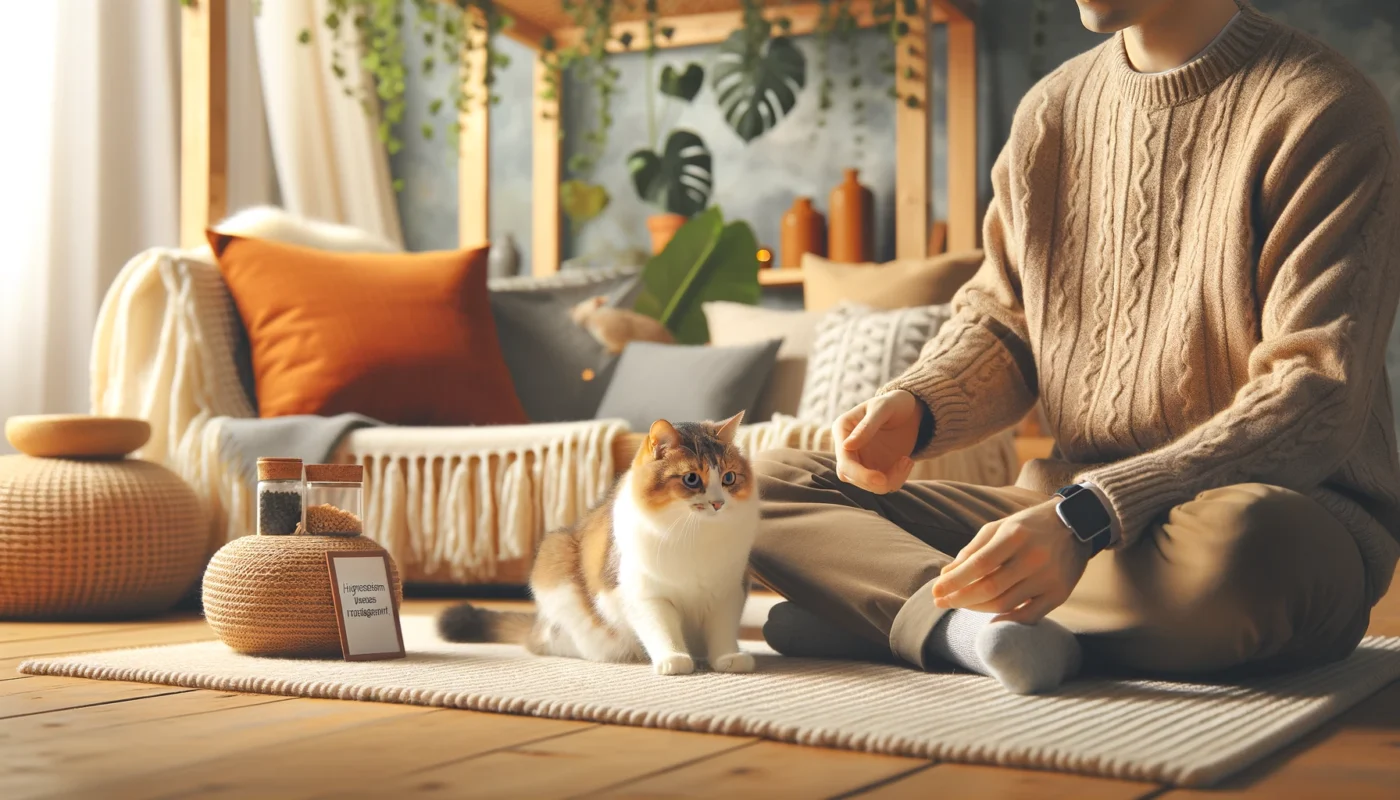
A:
<point x="271" y="595"/>
<point x="84" y="539"/>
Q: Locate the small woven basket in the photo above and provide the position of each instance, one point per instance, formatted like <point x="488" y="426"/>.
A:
<point x="271" y="595"/>
<point x="95" y="539"/>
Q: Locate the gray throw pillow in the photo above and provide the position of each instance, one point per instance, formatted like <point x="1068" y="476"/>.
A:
<point x="686" y="383"/>
<point x="559" y="369"/>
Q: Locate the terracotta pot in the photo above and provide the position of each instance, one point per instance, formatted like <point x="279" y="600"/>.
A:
<point x="663" y="227"/>
<point x="804" y="231"/>
<point x="852" y="234"/>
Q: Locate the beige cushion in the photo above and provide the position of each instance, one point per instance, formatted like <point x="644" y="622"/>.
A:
<point x="896" y="284"/>
<point x="858" y="350"/>
<point x="739" y="324"/>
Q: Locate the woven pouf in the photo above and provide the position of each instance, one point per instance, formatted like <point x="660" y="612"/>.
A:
<point x="95" y="538"/>
<point x="271" y="595"/>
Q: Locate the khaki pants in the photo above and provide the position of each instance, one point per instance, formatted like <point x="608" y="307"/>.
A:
<point x="1250" y="576"/>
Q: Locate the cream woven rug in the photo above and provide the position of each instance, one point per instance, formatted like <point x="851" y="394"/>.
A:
<point x="1183" y="734"/>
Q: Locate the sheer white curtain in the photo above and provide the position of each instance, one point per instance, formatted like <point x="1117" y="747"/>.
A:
<point x="330" y="162"/>
<point x="89" y="160"/>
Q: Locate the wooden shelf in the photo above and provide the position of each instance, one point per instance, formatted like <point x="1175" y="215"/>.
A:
<point x="780" y="277"/>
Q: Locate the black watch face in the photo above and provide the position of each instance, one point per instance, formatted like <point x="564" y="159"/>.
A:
<point x="1085" y="514"/>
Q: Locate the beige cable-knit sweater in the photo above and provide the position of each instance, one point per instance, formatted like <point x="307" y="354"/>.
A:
<point x="1196" y="271"/>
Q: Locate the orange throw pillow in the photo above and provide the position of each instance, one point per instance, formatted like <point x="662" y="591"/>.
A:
<point x="405" y="338"/>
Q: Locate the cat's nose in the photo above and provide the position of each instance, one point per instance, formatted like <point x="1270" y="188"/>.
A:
<point x="717" y="504"/>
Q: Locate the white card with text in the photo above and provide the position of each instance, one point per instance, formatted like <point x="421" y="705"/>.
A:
<point x="364" y="605"/>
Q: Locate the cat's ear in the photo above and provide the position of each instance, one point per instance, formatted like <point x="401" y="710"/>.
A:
<point x="661" y="436"/>
<point x="728" y="428"/>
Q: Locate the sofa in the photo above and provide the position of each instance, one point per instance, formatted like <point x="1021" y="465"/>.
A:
<point x="452" y="505"/>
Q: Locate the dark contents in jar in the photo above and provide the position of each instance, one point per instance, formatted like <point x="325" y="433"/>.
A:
<point x="279" y="513"/>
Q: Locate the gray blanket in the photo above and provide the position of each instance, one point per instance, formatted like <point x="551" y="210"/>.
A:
<point x="312" y="439"/>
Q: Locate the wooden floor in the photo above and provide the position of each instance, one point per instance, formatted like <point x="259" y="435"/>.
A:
<point x="62" y="737"/>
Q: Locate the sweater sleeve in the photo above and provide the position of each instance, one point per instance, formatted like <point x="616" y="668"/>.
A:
<point x="1327" y="277"/>
<point x="977" y="376"/>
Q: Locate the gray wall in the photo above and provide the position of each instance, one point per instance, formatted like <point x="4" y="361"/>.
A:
<point x="428" y="202"/>
<point x="758" y="182"/>
<point x="755" y="183"/>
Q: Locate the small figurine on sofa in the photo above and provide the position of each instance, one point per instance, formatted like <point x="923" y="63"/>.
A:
<point x="615" y="327"/>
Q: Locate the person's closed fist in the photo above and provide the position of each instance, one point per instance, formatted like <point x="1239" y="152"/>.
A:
<point x="874" y="441"/>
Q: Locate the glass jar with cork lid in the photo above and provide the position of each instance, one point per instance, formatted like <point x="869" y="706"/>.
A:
<point x="333" y="497"/>
<point x="279" y="496"/>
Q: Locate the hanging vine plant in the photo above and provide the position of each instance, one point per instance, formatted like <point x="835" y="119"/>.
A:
<point x="838" y="22"/>
<point x="590" y="62"/>
<point x="372" y="33"/>
<point x="757" y="76"/>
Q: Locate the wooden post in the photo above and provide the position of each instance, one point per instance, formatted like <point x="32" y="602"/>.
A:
<point x="911" y="131"/>
<point x="203" y="118"/>
<point x="963" y="210"/>
<point x="474" y="151"/>
<point x="545" y="239"/>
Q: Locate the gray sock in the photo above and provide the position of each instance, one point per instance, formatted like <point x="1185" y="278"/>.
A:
<point x="795" y="631"/>
<point x="1026" y="659"/>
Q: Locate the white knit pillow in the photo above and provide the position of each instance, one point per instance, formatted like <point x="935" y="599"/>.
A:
<point x="858" y="350"/>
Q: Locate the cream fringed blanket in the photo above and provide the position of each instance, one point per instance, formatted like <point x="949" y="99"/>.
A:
<point x="450" y="504"/>
<point x="1178" y="733"/>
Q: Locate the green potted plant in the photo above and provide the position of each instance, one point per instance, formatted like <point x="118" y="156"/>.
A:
<point x="707" y="260"/>
<point x="678" y="178"/>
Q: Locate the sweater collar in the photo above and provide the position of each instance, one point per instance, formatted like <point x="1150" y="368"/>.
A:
<point x="1235" y="45"/>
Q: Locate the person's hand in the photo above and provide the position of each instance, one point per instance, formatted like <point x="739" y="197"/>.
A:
<point x="874" y="440"/>
<point x="1021" y="568"/>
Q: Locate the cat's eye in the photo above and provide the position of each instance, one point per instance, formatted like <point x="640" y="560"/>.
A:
<point x="691" y="480"/>
<point x="728" y="479"/>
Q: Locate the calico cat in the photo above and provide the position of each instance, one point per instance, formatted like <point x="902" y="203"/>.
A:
<point x="656" y="571"/>
<point x="615" y="327"/>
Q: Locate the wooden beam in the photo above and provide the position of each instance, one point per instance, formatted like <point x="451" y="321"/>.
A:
<point x="526" y="32"/>
<point x="545" y="238"/>
<point x="203" y="118"/>
<point x="474" y="151"/>
<point x="963" y="209"/>
<point x="714" y="26"/>
<point x="912" y="141"/>
<point x="954" y="11"/>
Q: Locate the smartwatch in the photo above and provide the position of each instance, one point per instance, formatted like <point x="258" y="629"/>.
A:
<point x="1082" y="512"/>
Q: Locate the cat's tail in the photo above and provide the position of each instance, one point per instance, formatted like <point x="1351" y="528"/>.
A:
<point x="467" y="623"/>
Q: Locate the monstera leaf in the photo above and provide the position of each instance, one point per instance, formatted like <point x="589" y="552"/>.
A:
<point x="705" y="261"/>
<point x="756" y="83"/>
<point x="684" y="85"/>
<point x="677" y="180"/>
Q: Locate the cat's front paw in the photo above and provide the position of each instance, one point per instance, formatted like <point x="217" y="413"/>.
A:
<point x="674" y="664"/>
<point x="732" y="662"/>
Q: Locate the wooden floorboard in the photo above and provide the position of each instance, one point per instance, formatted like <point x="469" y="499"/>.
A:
<point x="349" y="761"/>
<point x="58" y="724"/>
<point x="562" y="766"/>
<point x="766" y="768"/>
<point x="98" y="763"/>
<point x="64" y="737"/>
<point x="969" y="780"/>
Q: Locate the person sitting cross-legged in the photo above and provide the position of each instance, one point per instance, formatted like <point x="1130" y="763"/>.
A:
<point x="1193" y="264"/>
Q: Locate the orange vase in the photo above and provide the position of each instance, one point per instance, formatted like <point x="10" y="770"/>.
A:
<point x="662" y="228"/>
<point x="852" y="235"/>
<point x="804" y="231"/>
